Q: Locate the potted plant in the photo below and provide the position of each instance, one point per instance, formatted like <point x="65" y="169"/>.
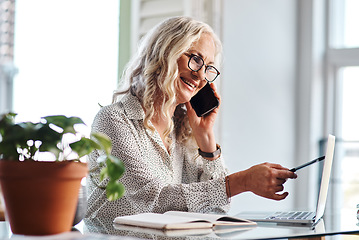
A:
<point x="40" y="194"/>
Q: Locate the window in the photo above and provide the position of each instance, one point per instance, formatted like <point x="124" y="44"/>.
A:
<point x="344" y="23"/>
<point x="67" y="57"/>
<point x="343" y="70"/>
<point x="345" y="183"/>
<point x="349" y="78"/>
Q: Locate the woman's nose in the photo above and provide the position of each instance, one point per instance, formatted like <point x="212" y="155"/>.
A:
<point x="200" y="74"/>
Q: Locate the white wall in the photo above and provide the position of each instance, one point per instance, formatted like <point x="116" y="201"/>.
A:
<point x="258" y="90"/>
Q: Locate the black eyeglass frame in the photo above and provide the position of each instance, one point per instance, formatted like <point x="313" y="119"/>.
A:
<point x="191" y="56"/>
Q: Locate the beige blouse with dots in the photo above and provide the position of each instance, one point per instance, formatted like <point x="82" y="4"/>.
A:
<point x="155" y="180"/>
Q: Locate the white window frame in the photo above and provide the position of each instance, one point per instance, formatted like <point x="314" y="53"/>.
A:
<point x="310" y="94"/>
<point x="7" y="68"/>
<point x="336" y="58"/>
<point x="7" y="74"/>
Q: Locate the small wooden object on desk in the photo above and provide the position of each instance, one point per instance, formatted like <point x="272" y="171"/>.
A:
<point x="312" y="238"/>
<point x="2" y="212"/>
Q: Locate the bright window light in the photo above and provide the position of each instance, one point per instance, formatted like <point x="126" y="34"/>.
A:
<point x="67" y="55"/>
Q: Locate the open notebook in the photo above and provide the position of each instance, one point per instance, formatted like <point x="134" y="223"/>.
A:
<point x="301" y="217"/>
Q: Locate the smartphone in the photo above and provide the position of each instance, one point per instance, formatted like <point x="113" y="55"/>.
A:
<point x="204" y="101"/>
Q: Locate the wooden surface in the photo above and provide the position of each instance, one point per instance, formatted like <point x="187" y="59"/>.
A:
<point x="2" y="214"/>
<point x="312" y="238"/>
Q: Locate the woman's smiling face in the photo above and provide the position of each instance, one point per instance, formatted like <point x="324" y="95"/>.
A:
<point x="189" y="82"/>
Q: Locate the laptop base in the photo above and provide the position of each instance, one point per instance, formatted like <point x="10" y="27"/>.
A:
<point x="279" y="217"/>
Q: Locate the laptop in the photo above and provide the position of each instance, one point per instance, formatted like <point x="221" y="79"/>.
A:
<point x="301" y="217"/>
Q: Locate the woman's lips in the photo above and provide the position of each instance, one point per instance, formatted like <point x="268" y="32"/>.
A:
<point x="191" y="84"/>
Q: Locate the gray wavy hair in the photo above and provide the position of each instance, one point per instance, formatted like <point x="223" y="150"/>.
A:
<point x="151" y="73"/>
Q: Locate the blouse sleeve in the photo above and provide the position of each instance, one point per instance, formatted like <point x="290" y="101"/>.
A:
<point x="203" y="192"/>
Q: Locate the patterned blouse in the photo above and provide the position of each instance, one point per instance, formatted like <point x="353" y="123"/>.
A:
<point x="156" y="180"/>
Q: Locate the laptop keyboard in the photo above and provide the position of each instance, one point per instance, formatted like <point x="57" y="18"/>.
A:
<point x="290" y="215"/>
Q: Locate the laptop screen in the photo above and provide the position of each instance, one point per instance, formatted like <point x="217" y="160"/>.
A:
<point x="324" y="185"/>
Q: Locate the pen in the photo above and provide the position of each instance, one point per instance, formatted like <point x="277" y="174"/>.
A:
<point x="307" y="164"/>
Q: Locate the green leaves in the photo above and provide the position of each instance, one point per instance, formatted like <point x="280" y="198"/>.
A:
<point x="22" y="141"/>
<point x="114" y="190"/>
<point x="65" y="123"/>
<point x="104" y="142"/>
<point x="113" y="170"/>
<point x="84" y="146"/>
<point x="112" y="167"/>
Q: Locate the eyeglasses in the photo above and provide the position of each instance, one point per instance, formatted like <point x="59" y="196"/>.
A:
<point x="195" y="63"/>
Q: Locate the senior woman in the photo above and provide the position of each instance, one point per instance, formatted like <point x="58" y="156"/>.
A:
<point x="172" y="159"/>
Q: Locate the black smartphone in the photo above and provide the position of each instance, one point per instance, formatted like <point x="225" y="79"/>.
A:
<point x="204" y="101"/>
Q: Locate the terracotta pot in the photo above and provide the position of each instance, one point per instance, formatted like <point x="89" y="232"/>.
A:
<point x="41" y="197"/>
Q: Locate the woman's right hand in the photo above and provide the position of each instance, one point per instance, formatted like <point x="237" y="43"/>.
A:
<point x="264" y="180"/>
